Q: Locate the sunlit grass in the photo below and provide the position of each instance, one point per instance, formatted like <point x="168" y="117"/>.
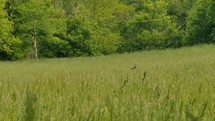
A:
<point x="167" y="85"/>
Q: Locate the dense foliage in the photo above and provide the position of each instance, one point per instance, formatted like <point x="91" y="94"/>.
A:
<point x="66" y="28"/>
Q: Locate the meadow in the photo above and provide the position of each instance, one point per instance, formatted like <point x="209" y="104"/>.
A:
<point x="167" y="85"/>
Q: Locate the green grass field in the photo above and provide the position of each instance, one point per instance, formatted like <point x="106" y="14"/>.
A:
<point x="168" y="85"/>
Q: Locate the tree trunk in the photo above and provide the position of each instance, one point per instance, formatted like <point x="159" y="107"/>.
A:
<point x="35" y="44"/>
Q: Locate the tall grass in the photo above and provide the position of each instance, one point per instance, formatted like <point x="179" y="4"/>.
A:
<point x="175" y="85"/>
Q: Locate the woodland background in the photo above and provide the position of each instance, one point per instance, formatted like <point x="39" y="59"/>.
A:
<point x="71" y="28"/>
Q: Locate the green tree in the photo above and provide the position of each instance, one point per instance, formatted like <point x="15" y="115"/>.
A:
<point x="45" y="20"/>
<point x="211" y="18"/>
<point x="9" y="45"/>
<point x="201" y="23"/>
<point x="151" y="27"/>
<point x="95" y="30"/>
<point x="104" y="17"/>
<point x="178" y="10"/>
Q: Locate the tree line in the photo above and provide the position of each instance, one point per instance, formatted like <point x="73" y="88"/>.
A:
<point x="70" y="28"/>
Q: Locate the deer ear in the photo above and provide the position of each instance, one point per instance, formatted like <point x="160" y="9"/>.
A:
<point x="134" y="67"/>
